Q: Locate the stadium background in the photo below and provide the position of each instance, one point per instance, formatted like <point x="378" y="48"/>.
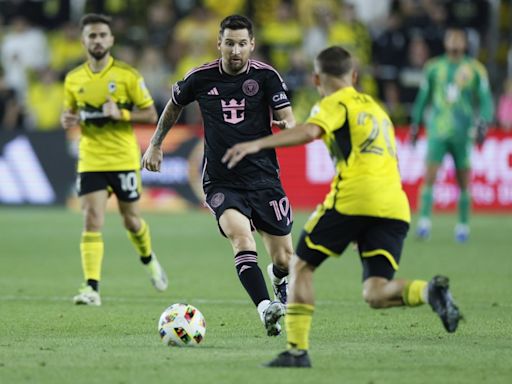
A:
<point x="39" y="43"/>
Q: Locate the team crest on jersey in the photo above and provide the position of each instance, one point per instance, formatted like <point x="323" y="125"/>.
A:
<point x="314" y="110"/>
<point x="217" y="200"/>
<point x="112" y="87"/>
<point x="463" y="75"/>
<point x="250" y="87"/>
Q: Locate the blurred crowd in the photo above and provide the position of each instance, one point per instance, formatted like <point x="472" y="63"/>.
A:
<point x="163" y="39"/>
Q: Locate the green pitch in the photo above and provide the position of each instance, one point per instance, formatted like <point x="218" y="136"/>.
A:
<point x="46" y="339"/>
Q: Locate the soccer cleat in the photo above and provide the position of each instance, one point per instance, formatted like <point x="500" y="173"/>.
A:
<point x="423" y="229"/>
<point x="290" y="360"/>
<point x="441" y="301"/>
<point x="461" y="233"/>
<point x="271" y="317"/>
<point x="280" y="290"/>
<point x="157" y="274"/>
<point x="87" y="296"/>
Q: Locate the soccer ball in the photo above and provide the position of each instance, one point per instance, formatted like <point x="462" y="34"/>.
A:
<point x="181" y="325"/>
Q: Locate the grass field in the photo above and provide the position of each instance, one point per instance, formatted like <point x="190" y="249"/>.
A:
<point x="45" y="339"/>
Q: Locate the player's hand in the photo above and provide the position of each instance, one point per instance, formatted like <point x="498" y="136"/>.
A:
<point x="414" y="134"/>
<point x="481" y="132"/>
<point x="69" y="119"/>
<point x="281" y="124"/>
<point x="110" y="109"/>
<point x="152" y="158"/>
<point x="237" y="152"/>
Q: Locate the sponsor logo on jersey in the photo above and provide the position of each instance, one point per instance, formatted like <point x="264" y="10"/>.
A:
<point x="213" y="91"/>
<point x="112" y="87"/>
<point x="250" y="87"/>
<point x="233" y="111"/>
<point x="91" y="115"/>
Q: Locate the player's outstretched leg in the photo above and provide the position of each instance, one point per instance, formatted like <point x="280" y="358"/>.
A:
<point x="271" y="315"/>
<point x="157" y="274"/>
<point x="290" y="359"/>
<point x="279" y="285"/>
<point x="141" y="240"/>
<point x="441" y="301"/>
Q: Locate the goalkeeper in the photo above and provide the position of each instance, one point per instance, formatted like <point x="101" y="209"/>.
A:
<point x="451" y="84"/>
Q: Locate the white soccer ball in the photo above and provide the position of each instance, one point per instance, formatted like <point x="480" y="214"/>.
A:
<point x="181" y="325"/>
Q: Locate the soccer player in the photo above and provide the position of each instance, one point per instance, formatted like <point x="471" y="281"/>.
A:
<point x="366" y="205"/>
<point x="235" y="96"/>
<point x="105" y="97"/>
<point x="452" y="83"/>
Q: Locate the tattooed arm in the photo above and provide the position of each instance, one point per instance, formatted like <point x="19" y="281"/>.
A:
<point x="152" y="158"/>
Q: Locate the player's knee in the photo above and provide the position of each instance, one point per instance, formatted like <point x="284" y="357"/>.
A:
<point x="131" y="222"/>
<point x="300" y="266"/>
<point x="281" y="258"/>
<point x="242" y="242"/>
<point x="93" y="218"/>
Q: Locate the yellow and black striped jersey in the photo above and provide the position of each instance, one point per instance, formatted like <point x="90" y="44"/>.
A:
<point x="360" y="137"/>
<point x="105" y="144"/>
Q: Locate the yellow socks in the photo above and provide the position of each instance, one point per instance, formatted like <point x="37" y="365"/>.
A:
<point x="141" y="239"/>
<point x="298" y="324"/>
<point x="415" y="293"/>
<point x="91" y="252"/>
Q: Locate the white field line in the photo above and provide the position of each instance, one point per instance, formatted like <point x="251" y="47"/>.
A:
<point x="126" y="299"/>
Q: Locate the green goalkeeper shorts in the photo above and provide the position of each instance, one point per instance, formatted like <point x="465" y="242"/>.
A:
<point x="459" y="149"/>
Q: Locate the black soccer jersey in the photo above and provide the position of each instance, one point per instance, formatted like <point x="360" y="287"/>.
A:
<point x="235" y="108"/>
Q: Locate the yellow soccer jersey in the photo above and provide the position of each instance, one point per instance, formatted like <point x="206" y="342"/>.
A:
<point x="360" y="137"/>
<point x="105" y="144"/>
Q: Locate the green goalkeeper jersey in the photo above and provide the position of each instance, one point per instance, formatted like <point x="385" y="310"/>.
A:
<point x="453" y="89"/>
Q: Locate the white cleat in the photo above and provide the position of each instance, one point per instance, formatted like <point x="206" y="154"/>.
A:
<point x="87" y="296"/>
<point x="157" y="274"/>
<point x="271" y="317"/>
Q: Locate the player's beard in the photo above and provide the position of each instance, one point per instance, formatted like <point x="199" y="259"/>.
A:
<point x="236" y="66"/>
<point x="99" y="54"/>
<point x="456" y="53"/>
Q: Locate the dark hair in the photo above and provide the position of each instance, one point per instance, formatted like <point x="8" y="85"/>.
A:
<point x="335" y="61"/>
<point x="236" y="22"/>
<point x="456" y="28"/>
<point x="94" y="18"/>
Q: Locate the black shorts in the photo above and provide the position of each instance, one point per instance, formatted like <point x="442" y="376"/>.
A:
<point x="379" y="240"/>
<point x="268" y="209"/>
<point x="126" y="185"/>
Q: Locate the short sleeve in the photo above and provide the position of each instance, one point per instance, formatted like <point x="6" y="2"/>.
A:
<point x="328" y="115"/>
<point x="139" y="93"/>
<point x="276" y="90"/>
<point x="183" y="91"/>
<point x="69" y="98"/>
